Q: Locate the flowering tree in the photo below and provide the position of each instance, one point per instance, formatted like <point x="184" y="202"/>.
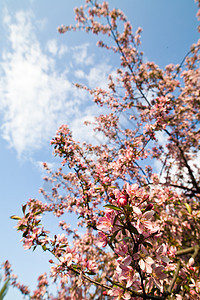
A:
<point x="141" y="227"/>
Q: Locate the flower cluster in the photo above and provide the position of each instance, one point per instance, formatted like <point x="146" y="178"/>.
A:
<point x="128" y="225"/>
<point x="140" y="226"/>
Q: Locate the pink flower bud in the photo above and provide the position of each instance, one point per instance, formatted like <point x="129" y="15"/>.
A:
<point x="145" y="197"/>
<point x="122" y="200"/>
<point x="105" y="293"/>
<point x="149" y="207"/>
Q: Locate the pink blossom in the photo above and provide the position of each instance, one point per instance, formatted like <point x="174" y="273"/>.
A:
<point x="102" y="242"/>
<point x="161" y="254"/>
<point x="158" y="276"/>
<point x="127" y="274"/>
<point x="125" y="271"/>
<point x="116" y="292"/>
<point x="179" y="297"/>
<point x="91" y="265"/>
<point x="119" y="293"/>
<point x="145" y="261"/>
<point x="28" y="243"/>
<point x="155" y="179"/>
<point x="144" y="224"/>
<point x="132" y="190"/>
<point x="67" y="259"/>
<point x="105" y="223"/>
<point x="121" y="249"/>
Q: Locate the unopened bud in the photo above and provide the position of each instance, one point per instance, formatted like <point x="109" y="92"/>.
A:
<point x="149" y="207"/>
<point x="112" y="195"/>
<point x="122" y="200"/>
<point x="105" y="293"/>
<point x="145" y="197"/>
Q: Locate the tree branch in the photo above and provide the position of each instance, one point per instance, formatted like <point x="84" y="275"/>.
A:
<point x="194" y="249"/>
<point x="174" y="278"/>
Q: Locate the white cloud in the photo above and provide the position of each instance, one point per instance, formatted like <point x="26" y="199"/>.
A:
<point x="53" y="166"/>
<point x="85" y="133"/>
<point x="98" y="76"/>
<point x="52" y="47"/>
<point x="80" y="55"/>
<point x="33" y="94"/>
<point x="62" y="50"/>
<point x="36" y="98"/>
<point x="79" y="74"/>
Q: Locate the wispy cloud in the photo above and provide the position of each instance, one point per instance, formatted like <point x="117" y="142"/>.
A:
<point x="36" y="96"/>
<point x="33" y="95"/>
<point x="52" y="47"/>
<point x="80" y="54"/>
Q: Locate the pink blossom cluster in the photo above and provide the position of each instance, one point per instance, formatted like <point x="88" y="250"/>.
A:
<point x="129" y="225"/>
<point x="140" y="225"/>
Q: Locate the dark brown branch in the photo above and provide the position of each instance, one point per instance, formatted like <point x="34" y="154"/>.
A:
<point x="129" y="66"/>
<point x="89" y="279"/>
<point x="174" y="278"/>
<point x="181" y="187"/>
<point x="185" y="162"/>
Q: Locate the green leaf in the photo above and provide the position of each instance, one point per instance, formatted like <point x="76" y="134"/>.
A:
<point x="188" y="207"/>
<point x="90" y="273"/>
<point x="15" y="217"/>
<point x="44" y="247"/>
<point x="98" y="188"/>
<point x="26" y="216"/>
<point x="112" y="207"/>
<point x="129" y="208"/>
<point x="4" y="289"/>
<point x="21" y="227"/>
<point x="127" y="238"/>
<point x="25" y="233"/>
<point x="37" y="213"/>
<point x="115" y="220"/>
<point x="24" y="208"/>
<point x="186" y="287"/>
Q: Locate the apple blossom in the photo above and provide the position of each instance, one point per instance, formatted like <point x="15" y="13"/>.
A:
<point x="141" y="226"/>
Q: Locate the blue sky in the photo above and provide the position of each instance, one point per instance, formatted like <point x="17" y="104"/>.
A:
<point x="37" y="69"/>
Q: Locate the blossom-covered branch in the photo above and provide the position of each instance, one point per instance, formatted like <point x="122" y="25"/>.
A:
<point x="140" y="224"/>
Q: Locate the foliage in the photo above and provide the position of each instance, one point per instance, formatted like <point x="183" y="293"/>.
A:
<point x="142" y="226"/>
<point x="4" y="289"/>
